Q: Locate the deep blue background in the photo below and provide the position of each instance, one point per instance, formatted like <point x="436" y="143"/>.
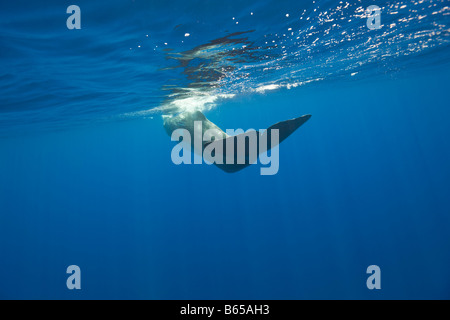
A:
<point x="364" y="182"/>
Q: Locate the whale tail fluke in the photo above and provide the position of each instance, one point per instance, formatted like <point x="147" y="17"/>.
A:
<point x="285" y="129"/>
<point x="288" y="127"/>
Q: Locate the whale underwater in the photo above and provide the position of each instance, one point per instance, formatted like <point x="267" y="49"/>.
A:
<point x="196" y="122"/>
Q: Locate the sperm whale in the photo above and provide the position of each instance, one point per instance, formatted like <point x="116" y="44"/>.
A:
<point x="224" y="147"/>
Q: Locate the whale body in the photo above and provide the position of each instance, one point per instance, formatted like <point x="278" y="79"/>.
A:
<point x="189" y="120"/>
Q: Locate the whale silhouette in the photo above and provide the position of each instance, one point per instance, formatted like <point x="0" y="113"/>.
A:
<point x="189" y="121"/>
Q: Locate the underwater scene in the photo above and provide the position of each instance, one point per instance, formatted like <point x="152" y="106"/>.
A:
<point x="204" y="149"/>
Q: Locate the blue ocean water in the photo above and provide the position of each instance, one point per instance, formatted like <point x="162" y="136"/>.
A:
<point x="86" y="176"/>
